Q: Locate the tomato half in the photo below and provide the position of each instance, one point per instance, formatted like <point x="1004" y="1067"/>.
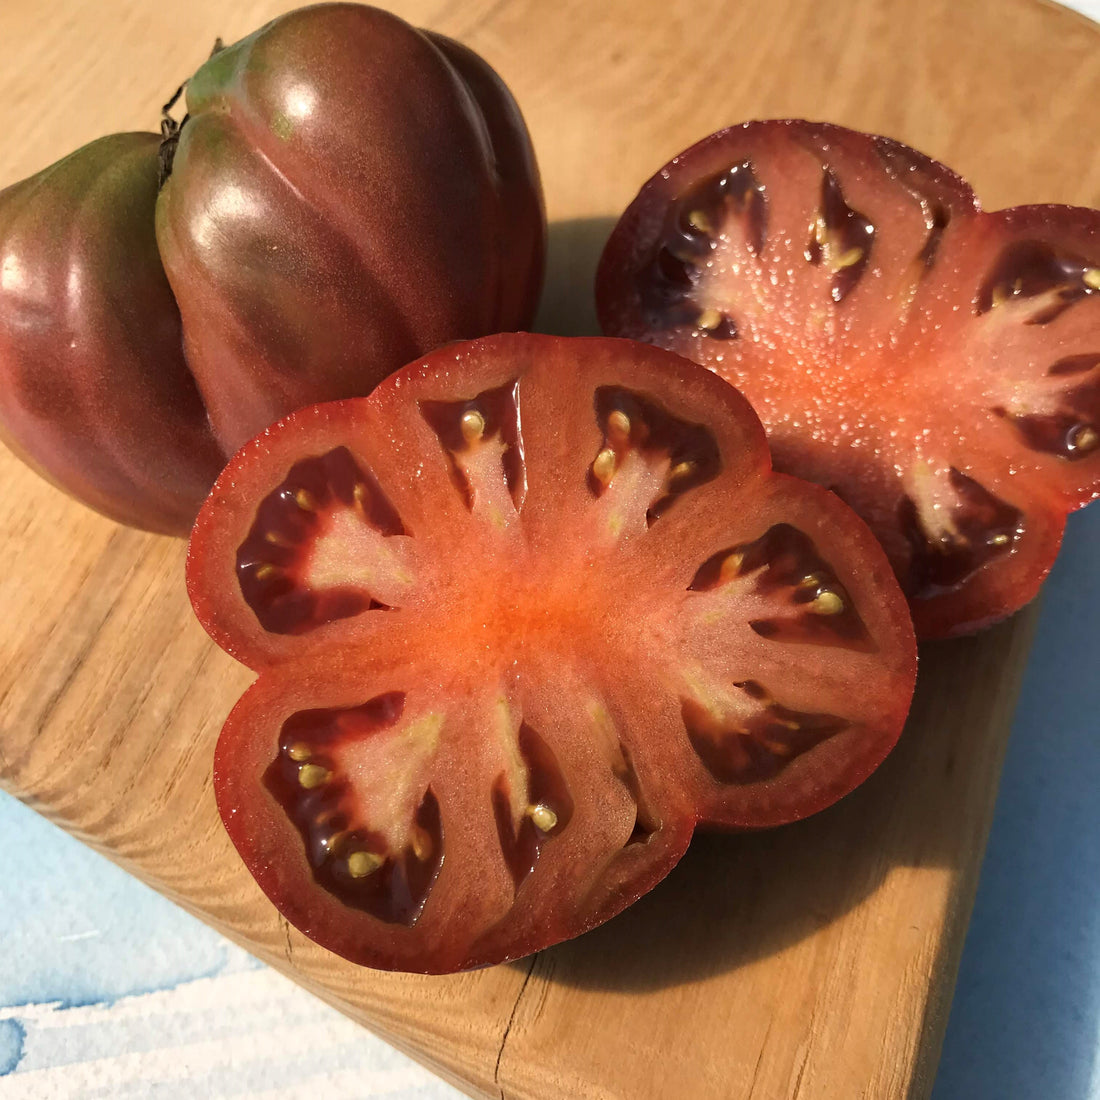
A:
<point x="522" y="619"/>
<point x="938" y="367"/>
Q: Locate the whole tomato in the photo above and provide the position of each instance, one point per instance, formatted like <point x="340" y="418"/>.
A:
<point x="95" y="393"/>
<point x="347" y="194"/>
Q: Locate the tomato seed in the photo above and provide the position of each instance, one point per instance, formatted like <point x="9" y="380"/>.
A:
<point x="361" y="864"/>
<point x="313" y="775"/>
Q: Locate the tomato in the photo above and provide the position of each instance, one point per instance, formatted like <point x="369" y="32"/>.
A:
<point x="347" y="193"/>
<point x="936" y="366"/>
<point x="94" y="390"/>
<point x="522" y="619"/>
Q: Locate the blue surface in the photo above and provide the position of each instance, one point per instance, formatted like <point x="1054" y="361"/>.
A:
<point x="107" y="990"/>
<point x="12" y="1035"/>
<point x="1025" y="1021"/>
<point x="67" y="914"/>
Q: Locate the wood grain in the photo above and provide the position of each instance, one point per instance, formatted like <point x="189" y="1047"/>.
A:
<point x="815" y="961"/>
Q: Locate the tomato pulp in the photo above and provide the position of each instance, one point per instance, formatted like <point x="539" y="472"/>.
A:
<point x="522" y="619"/>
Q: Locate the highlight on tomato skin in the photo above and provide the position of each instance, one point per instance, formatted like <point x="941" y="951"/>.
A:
<point x="522" y="620"/>
<point x="936" y="366"/>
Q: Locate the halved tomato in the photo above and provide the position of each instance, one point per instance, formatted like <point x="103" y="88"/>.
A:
<point x="938" y="367"/>
<point x="522" y="619"/>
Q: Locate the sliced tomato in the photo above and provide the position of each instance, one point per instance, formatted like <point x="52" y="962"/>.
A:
<point x="522" y="619"/>
<point x="936" y="366"/>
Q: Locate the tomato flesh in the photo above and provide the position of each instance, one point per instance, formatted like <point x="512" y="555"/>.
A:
<point x="522" y="619"/>
<point x="936" y="366"/>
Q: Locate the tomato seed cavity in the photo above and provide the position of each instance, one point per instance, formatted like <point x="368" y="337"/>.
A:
<point x="757" y="745"/>
<point x="785" y="563"/>
<point x="840" y="238"/>
<point x="693" y="227"/>
<point x="948" y="545"/>
<point x="278" y="558"/>
<point x="353" y="860"/>
<point x="632" y="422"/>
<point x="548" y="811"/>
<point x="1047" y="279"/>
<point x="465" y="427"/>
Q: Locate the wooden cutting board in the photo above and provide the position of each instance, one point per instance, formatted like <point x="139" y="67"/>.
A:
<point x="814" y="962"/>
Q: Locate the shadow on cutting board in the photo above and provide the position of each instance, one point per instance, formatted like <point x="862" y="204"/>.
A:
<point x="568" y="305"/>
<point x="737" y="898"/>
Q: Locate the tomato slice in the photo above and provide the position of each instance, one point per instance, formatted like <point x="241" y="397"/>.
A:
<point x="936" y="366"/>
<point x="523" y="618"/>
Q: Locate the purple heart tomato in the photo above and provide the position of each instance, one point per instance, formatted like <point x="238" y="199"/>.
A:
<point x="347" y="194"/>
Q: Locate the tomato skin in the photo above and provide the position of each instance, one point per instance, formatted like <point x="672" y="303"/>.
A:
<point x="347" y="194"/>
<point x="666" y="694"/>
<point x="95" y="393"/>
<point x="936" y="365"/>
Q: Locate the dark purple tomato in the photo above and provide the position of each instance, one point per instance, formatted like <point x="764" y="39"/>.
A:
<point x="523" y="619"/>
<point x="95" y="393"/>
<point x="347" y="194"/>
